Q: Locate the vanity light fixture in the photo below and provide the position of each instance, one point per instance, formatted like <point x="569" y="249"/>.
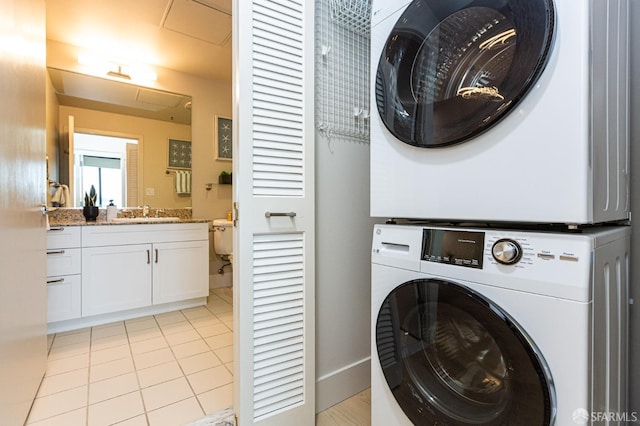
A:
<point x="101" y="66"/>
<point x="119" y="74"/>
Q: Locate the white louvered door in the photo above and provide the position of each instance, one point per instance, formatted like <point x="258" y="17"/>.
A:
<point x="274" y="303"/>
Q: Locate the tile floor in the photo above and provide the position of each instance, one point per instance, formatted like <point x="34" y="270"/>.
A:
<point x="166" y="369"/>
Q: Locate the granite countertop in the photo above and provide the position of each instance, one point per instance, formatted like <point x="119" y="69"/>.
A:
<point x="126" y="216"/>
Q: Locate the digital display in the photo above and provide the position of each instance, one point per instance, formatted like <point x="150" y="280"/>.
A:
<point x="460" y="248"/>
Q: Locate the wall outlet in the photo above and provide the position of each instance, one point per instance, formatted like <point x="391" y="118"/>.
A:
<point x="150" y="191"/>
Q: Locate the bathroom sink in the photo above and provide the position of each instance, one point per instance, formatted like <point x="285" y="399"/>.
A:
<point x="144" y="219"/>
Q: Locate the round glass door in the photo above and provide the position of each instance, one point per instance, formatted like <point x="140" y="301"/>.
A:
<point x="452" y="69"/>
<point x="451" y="357"/>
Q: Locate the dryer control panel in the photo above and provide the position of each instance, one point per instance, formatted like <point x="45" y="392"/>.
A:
<point x="454" y="247"/>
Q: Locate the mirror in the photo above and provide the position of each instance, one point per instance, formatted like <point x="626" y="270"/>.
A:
<point x="124" y="133"/>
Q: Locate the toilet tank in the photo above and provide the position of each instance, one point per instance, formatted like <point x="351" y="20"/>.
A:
<point x="223" y="236"/>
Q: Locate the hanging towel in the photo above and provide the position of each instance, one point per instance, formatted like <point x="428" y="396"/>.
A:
<point x="61" y="196"/>
<point x="183" y="182"/>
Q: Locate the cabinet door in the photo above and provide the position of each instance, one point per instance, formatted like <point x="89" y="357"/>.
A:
<point x="180" y="271"/>
<point x="115" y="278"/>
<point x="63" y="298"/>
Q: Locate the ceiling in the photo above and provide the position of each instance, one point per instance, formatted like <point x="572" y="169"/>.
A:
<point x="189" y="36"/>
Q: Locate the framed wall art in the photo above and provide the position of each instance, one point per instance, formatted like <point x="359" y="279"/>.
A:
<point x="179" y="154"/>
<point x="223" y="141"/>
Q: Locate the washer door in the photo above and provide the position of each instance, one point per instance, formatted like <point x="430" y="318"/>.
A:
<point x="452" y="69"/>
<point x="450" y="357"/>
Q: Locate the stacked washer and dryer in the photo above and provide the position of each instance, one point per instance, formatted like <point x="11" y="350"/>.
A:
<point x="500" y="156"/>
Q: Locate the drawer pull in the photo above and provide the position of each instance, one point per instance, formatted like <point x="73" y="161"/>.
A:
<point x="156" y="255"/>
<point x="271" y="214"/>
<point x="148" y="257"/>
<point x="56" y="228"/>
<point x="55" y="252"/>
<point x="59" y="280"/>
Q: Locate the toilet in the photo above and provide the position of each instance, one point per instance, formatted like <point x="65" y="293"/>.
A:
<point x="223" y="238"/>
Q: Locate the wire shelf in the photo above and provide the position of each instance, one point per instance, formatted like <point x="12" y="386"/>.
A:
<point x="355" y="15"/>
<point x="342" y="67"/>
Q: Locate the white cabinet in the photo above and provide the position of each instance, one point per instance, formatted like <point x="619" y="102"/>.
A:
<point x="133" y="266"/>
<point x="178" y="271"/>
<point x="115" y="278"/>
<point x="63" y="273"/>
<point x="104" y="273"/>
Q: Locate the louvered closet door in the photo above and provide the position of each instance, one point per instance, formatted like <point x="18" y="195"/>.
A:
<point x="274" y="346"/>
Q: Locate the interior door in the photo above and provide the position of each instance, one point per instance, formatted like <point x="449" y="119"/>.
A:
<point x="23" y="308"/>
<point x="274" y="369"/>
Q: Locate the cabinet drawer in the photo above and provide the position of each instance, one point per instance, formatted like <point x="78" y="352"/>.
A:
<point x="63" y="298"/>
<point x="63" y="261"/>
<point x="63" y="236"/>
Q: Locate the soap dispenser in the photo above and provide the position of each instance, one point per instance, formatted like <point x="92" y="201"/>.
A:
<point x="112" y="211"/>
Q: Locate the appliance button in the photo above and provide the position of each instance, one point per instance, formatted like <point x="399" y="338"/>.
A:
<point x="506" y="251"/>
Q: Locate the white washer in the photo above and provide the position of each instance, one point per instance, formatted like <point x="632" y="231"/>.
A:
<point x="515" y="111"/>
<point x="475" y="326"/>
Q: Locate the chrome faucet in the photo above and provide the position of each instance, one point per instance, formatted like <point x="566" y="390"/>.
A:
<point x="145" y="211"/>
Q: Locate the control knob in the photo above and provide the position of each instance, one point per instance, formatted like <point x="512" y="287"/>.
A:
<point x="506" y="251"/>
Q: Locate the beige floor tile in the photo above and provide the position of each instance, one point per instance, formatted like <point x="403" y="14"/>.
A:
<point x="158" y="374"/>
<point x="182" y="337"/>
<point x="213" y="330"/>
<point x="149" y="359"/>
<point x="140" y="323"/>
<point x="212" y="378"/>
<point x="58" y="403"/>
<point x="148" y="345"/>
<point x="50" y="338"/>
<point x="199" y="362"/>
<point x="217" y="399"/>
<point x="63" y="382"/>
<point x="198" y="312"/>
<point x="76" y="331"/>
<point x="170" y="318"/>
<point x="226" y="318"/>
<point x="220" y="308"/>
<point x="144" y="334"/>
<point x="72" y="418"/>
<point x="116" y="409"/>
<point x="229" y="366"/>
<point x="111" y="388"/>
<point x="176" y="327"/>
<point x="67" y="351"/>
<point x="65" y="365"/>
<point x="110" y="354"/>
<point x="69" y="339"/>
<point x="190" y="348"/>
<point x="166" y="393"/>
<point x="108" y="330"/>
<point x="199" y="323"/>
<point x="111" y="369"/>
<point x="176" y="414"/>
<point x="136" y="421"/>
<point x="225" y="354"/>
<point x="220" y="341"/>
<point x="109" y="342"/>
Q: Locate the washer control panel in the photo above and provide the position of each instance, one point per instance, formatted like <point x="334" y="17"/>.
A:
<point x="454" y="247"/>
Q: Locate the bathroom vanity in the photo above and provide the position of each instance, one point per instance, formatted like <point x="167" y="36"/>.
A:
<point x="113" y="271"/>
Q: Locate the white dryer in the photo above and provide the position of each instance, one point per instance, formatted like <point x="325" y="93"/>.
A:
<point x="474" y="326"/>
<point x="500" y="110"/>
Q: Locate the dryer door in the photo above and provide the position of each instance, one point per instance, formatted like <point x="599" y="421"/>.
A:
<point x="452" y="69"/>
<point x="451" y="357"/>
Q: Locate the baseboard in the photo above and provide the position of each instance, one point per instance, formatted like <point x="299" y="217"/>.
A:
<point x="341" y="384"/>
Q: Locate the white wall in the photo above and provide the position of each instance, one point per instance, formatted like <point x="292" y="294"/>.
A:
<point x="343" y="270"/>
<point x="634" y="332"/>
